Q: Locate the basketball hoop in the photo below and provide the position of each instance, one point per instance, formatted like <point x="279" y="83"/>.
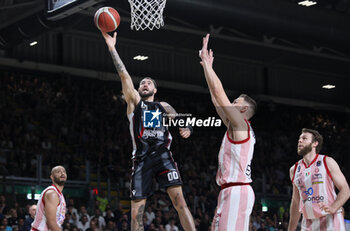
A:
<point x="146" y="14"/>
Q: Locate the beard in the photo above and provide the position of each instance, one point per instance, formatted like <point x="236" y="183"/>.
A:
<point x="305" y="150"/>
<point x="145" y="95"/>
<point x="58" y="181"/>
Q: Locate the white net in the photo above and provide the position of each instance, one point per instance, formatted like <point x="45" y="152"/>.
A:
<point x="146" y="14"/>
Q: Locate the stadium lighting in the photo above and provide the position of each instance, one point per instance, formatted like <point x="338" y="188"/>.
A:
<point x="307" y="3"/>
<point x="33" y="43"/>
<point x="141" y="57"/>
<point x="265" y="208"/>
<point x="328" y="86"/>
<point x="36" y="196"/>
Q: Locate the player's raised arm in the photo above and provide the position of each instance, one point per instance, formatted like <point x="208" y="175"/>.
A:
<point x="130" y="94"/>
<point x="209" y="61"/>
<point x="220" y="100"/>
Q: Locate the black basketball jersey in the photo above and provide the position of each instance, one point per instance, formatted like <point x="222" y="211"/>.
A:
<point x="148" y="134"/>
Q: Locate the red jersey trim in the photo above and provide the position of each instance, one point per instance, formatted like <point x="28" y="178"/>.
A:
<point x="313" y="161"/>
<point x="59" y="192"/>
<point x="141" y="132"/>
<point x="241" y="141"/>
<point x="295" y="169"/>
<point x="43" y="198"/>
<point x="166" y="171"/>
<point x="326" y="166"/>
<point x="227" y="185"/>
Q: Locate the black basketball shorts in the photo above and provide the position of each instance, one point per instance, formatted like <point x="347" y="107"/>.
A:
<point x="161" y="166"/>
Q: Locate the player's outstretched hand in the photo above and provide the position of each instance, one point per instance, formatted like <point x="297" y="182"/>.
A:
<point x="206" y="56"/>
<point x="110" y="41"/>
<point x="185" y="132"/>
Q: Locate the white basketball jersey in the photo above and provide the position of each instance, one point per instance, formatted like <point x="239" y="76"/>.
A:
<point x="39" y="223"/>
<point x="315" y="185"/>
<point x="235" y="159"/>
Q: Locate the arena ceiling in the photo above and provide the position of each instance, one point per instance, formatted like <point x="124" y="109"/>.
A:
<point x="272" y="32"/>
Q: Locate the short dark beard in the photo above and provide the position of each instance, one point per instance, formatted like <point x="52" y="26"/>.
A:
<point x="58" y="181"/>
<point x="305" y="150"/>
<point x="146" y="95"/>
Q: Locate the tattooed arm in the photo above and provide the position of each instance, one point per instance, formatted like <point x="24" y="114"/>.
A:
<point x="131" y="95"/>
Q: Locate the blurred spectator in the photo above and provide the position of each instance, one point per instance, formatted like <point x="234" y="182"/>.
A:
<point x="5" y="223"/>
<point x="73" y="217"/>
<point x="3" y="207"/>
<point x="93" y="225"/>
<point x="100" y="219"/>
<point x="71" y="206"/>
<point x="84" y="223"/>
<point x="83" y="212"/>
<point x="28" y="222"/>
<point x="109" y="216"/>
<point x="111" y="225"/>
<point x="21" y="224"/>
<point x="171" y="225"/>
<point x="124" y="225"/>
<point x="13" y="218"/>
<point x="102" y="201"/>
<point x="149" y="215"/>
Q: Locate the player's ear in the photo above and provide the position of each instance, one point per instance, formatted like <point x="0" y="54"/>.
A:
<point x="155" y="90"/>
<point x="244" y="109"/>
<point x="314" y="144"/>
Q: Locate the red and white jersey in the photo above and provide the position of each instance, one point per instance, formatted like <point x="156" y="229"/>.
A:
<point x="235" y="159"/>
<point x="39" y="223"/>
<point x="315" y="185"/>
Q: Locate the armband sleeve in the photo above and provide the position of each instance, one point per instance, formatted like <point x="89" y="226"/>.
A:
<point x="184" y="118"/>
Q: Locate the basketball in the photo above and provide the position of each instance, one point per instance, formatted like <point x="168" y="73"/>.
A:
<point x="107" y="19"/>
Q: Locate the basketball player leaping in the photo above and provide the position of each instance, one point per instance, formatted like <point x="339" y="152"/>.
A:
<point x="236" y="198"/>
<point x="151" y="146"/>
<point x="51" y="207"/>
<point x="313" y="178"/>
